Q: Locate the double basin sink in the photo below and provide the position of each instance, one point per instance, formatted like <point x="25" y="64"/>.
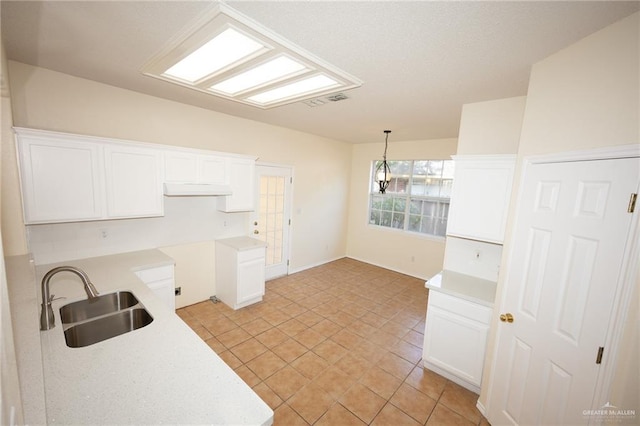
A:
<point x="93" y="320"/>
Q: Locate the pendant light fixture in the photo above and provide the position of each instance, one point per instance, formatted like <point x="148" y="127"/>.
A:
<point x="383" y="172"/>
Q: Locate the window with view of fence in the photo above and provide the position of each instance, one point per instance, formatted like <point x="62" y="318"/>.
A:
<point x="417" y="198"/>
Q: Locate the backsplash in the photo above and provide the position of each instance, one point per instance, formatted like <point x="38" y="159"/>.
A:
<point x="470" y="257"/>
<point x="186" y="220"/>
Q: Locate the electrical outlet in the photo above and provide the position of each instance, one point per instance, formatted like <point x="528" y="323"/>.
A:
<point x="178" y="291"/>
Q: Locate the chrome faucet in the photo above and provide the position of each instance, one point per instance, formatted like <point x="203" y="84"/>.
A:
<point x="47" y="320"/>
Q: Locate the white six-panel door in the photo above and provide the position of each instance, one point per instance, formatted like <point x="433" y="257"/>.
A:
<point x="568" y="248"/>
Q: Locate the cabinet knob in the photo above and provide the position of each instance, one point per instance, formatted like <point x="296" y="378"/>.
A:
<point x="255" y="223"/>
<point x="256" y="232"/>
<point x="506" y="318"/>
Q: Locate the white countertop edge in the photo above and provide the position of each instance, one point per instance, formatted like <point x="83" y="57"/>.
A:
<point x="169" y="373"/>
<point x="466" y="287"/>
<point x="242" y="243"/>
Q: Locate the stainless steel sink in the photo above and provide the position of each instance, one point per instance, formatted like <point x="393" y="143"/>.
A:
<point x="97" y="330"/>
<point x="98" y="306"/>
<point x="93" y="320"/>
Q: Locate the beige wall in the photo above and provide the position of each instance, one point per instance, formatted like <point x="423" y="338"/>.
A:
<point x="45" y="99"/>
<point x="407" y="253"/>
<point x="491" y="127"/>
<point x="584" y="96"/>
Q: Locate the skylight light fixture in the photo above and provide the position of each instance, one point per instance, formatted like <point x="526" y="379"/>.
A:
<point x="219" y="52"/>
<point x="229" y="55"/>
<point x="272" y="70"/>
<point x="307" y="86"/>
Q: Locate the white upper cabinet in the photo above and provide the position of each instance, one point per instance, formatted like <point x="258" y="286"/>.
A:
<point x="61" y="178"/>
<point x="241" y="180"/>
<point x="480" y="197"/>
<point x="133" y="181"/>
<point x="188" y="167"/>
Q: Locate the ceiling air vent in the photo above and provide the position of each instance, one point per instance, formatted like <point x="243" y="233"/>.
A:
<point x="337" y="97"/>
<point x="314" y="102"/>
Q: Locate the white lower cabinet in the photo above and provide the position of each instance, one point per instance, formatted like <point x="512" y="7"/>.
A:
<point x="161" y="281"/>
<point x="455" y="338"/>
<point x="240" y="264"/>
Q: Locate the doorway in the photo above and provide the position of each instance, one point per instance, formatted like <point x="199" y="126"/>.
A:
<point x="271" y="220"/>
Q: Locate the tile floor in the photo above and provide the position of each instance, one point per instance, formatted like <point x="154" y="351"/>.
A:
<point x="339" y="344"/>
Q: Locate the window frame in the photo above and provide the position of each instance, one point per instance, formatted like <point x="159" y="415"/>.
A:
<point x="408" y="197"/>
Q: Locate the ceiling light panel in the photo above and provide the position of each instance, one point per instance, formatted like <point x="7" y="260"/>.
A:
<point x="306" y="87"/>
<point x="223" y="50"/>
<point x="273" y="70"/>
<point x="229" y="55"/>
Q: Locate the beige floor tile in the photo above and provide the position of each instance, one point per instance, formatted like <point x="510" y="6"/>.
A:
<point x="442" y="416"/>
<point x="326" y="327"/>
<point x="407" y="351"/>
<point x="248" y="350"/>
<point x="427" y="382"/>
<point x="266" y="364"/>
<point x="215" y="345"/>
<point x="330" y="351"/>
<point x="339" y="416"/>
<point x="362" y="402"/>
<point x="311" y="402"/>
<point x="413" y="402"/>
<point x="310" y="365"/>
<point x="309" y="338"/>
<point x="272" y="337"/>
<point x="268" y="395"/>
<point x="286" y="382"/>
<point x="275" y="317"/>
<point x="202" y="332"/>
<point x="461" y="400"/>
<point x="361" y="328"/>
<point x="335" y="381"/>
<point x="292" y="327"/>
<point x="286" y="416"/>
<point x="415" y="338"/>
<point x="342" y="318"/>
<point x="390" y="415"/>
<point x="234" y="337"/>
<point x="373" y="319"/>
<point x="247" y="375"/>
<point x="381" y="382"/>
<point x="347" y="339"/>
<point x="256" y="327"/>
<point x="294" y="309"/>
<point x="369" y="351"/>
<point x="219" y="325"/>
<point x="289" y="350"/>
<point x="309" y="318"/>
<point x="384" y="339"/>
<point x="354" y="365"/>
<point x="396" y="365"/>
<point x="230" y="359"/>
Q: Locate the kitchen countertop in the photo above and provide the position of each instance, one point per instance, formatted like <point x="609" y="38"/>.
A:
<point x="466" y="287"/>
<point x="242" y="243"/>
<point x="161" y="373"/>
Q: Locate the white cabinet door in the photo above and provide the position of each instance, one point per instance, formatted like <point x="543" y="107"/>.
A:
<point x="61" y="179"/>
<point x="190" y="167"/>
<point x="212" y="169"/>
<point x="455" y="339"/>
<point x="161" y="281"/>
<point x="241" y="180"/>
<point x="480" y="197"/>
<point x="251" y="276"/>
<point x="180" y="167"/>
<point x="133" y="181"/>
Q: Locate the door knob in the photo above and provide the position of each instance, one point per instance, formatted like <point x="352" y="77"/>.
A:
<point x="506" y="317"/>
<point x="256" y="232"/>
<point x="255" y="223"/>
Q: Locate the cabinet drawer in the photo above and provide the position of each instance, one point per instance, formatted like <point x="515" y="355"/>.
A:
<point x="460" y="307"/>
<point x="155" y="274"/>
<point x="247" y="255"/>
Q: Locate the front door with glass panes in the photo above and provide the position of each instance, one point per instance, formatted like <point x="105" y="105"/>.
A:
<point x="417" y="198"/>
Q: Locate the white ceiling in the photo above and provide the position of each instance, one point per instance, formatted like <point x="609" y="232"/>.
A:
<point x="420" y="61"/>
